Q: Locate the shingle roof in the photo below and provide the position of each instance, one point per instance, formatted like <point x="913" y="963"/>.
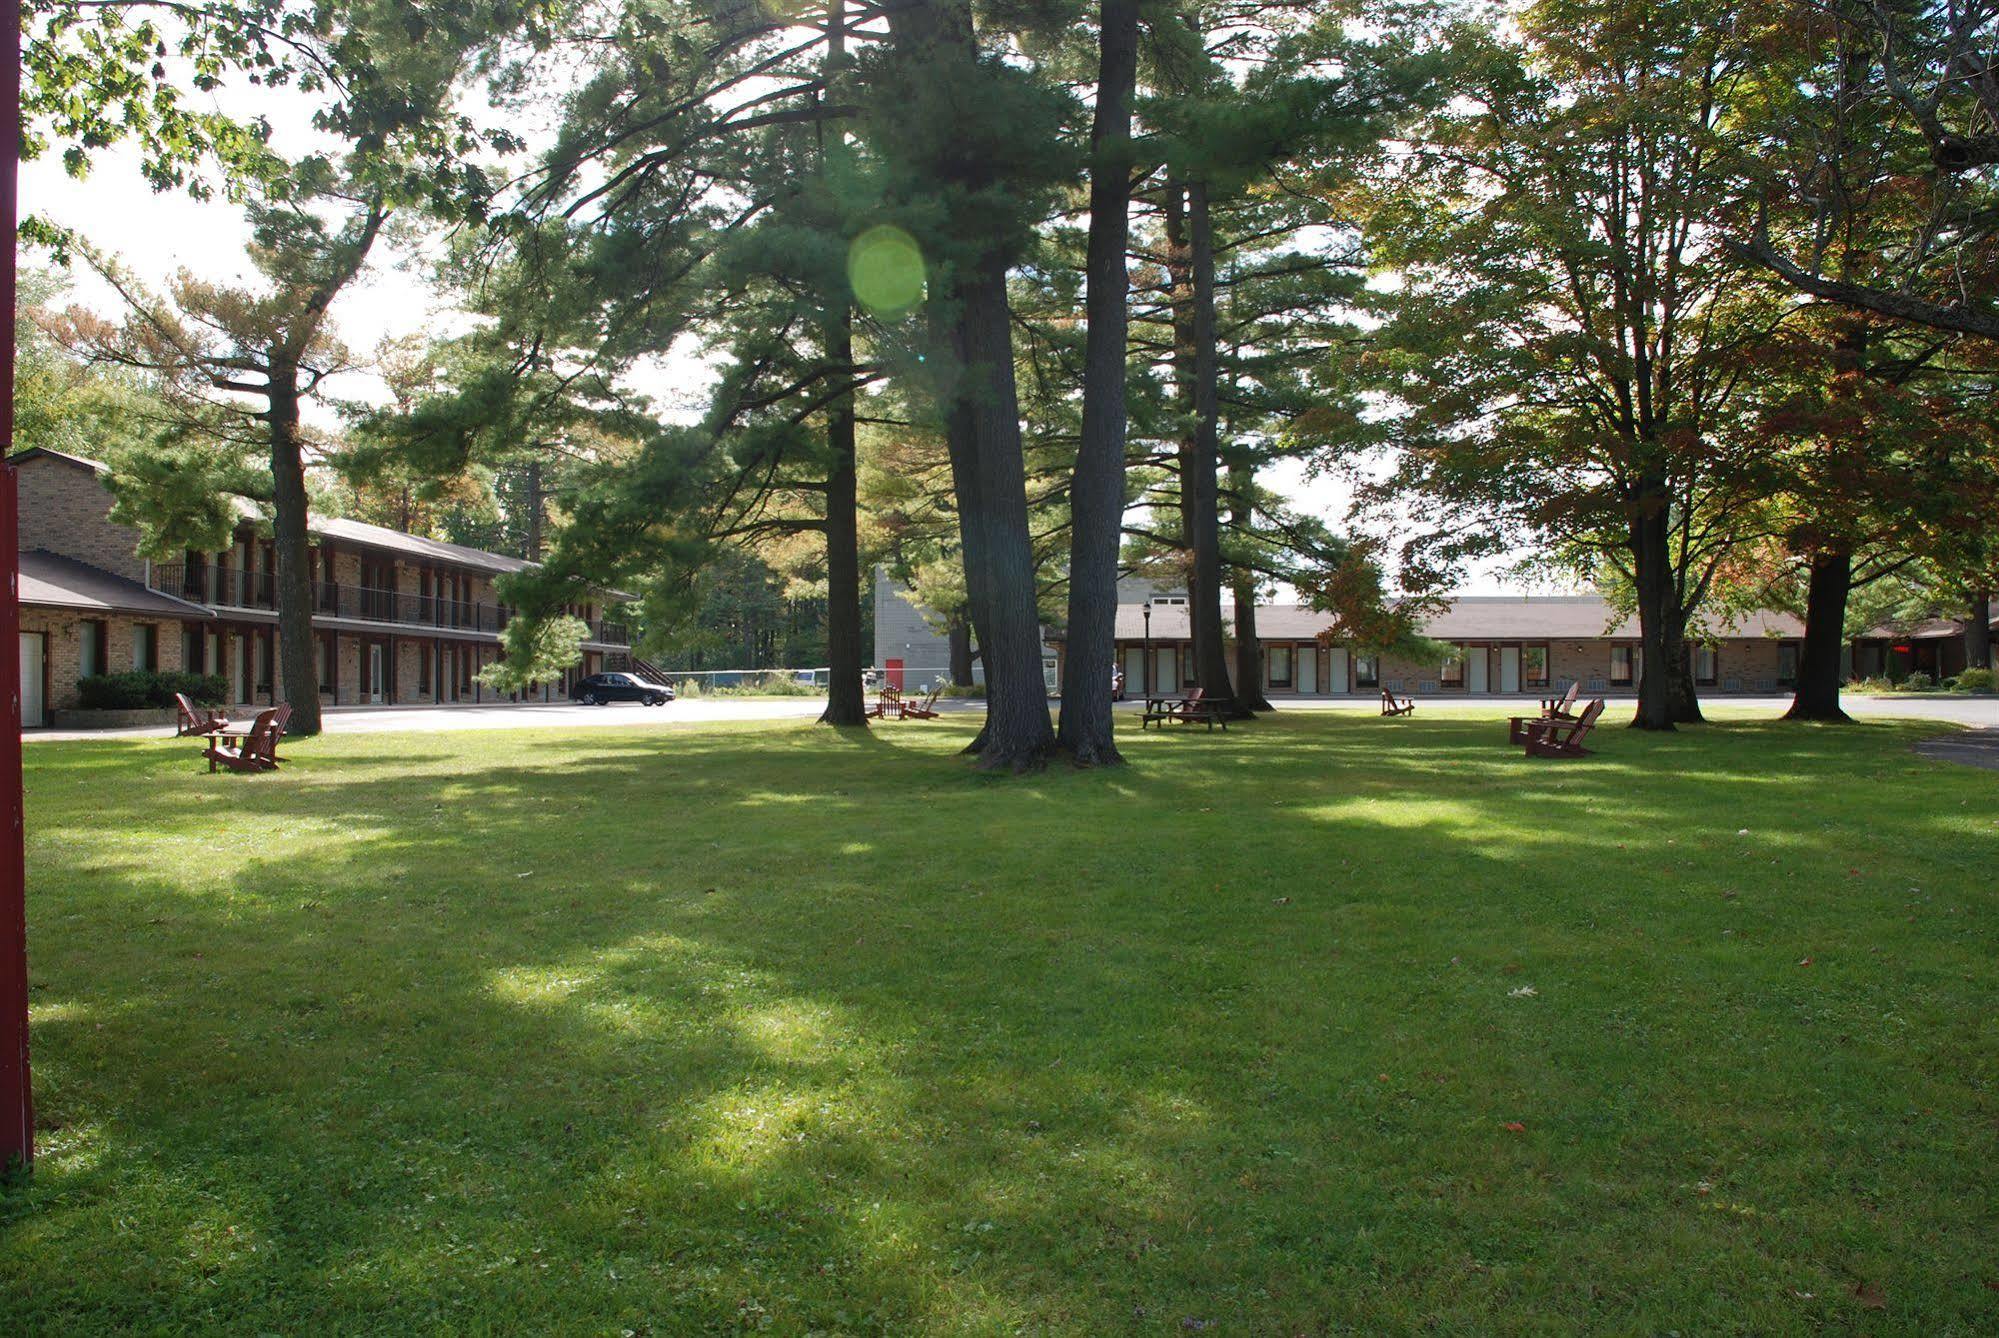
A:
<point x="1930" y="629"/>
<point x="51" y="581"/>
<point x="1466" y="618"/>
<point x="409" y="545"/>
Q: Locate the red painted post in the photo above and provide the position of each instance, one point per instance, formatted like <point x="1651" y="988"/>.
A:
<point x="17" y="1107"/>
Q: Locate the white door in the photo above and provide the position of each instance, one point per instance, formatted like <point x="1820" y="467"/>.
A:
<point x="375" y="674"/>
<point x="1509" y="668"/>
<point x="1306" y="672"/>
<point x="1165" y="673"/>
<point x="33" y="652"/>
<point x="1336" y="669"/>
<point x="1478" y="669"/>
<point x="1134" y="671"/>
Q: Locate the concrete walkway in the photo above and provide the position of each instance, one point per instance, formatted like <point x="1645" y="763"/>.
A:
<point x="1970" y="748"/>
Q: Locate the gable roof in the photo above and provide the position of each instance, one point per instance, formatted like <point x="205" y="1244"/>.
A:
<point x="49" y="580"/>
<point x="1464" y="618"/>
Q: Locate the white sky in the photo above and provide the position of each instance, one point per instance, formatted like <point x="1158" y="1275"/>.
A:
<point x="155" y="235"/>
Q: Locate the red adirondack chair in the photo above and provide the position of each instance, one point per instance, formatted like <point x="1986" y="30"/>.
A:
<point x="196" y="721"/>
<point x="925" y="709"/>
<point x="888" y="706"/>
<point x="1563" y="738"/>
<point x="1394" y="705"/>
<point x="256" y="748"/>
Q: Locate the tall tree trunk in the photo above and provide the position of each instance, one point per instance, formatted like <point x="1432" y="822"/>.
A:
<point x="983" y="430"/>
<point x="1686" y="695"/>
<point x="296" y="660"/>
<point x="1658" y="612"/>
<point x="1817" y="694"/>
<point x="534" y="511"/>
<point x="1018" y="732"/>
<point x="1191" y="271"/>
<point x="846" y="699"/>
<point x="1248" y="647"/>
<point x="1096" y="493"/>
<point x="958" y="636"/>
<point x="1978" y="632"/>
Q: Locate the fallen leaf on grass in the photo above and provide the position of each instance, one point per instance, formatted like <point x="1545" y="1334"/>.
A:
<point x="1515" y="1127"/>
<point x="1870" y="1297"/>
<point x="1806" y="962"/>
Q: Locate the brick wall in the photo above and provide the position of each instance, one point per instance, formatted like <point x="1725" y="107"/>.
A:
<point x="63" y="510"/>
<point x="62" y="641"/>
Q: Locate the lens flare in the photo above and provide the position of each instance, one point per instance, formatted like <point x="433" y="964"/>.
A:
<point x="885" y="267"/>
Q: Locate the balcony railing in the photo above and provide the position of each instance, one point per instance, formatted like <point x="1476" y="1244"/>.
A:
<point x="227" y="587"/>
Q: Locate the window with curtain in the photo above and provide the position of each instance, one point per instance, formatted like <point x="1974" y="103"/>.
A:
<point x="1534" y="666"/>
<point x="1623" y="665"/>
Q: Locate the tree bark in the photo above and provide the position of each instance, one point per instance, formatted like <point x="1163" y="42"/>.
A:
<point x="1096" y="493"/>
<point x="1978" y="632"/>
<point x="846" y="698"/>
<point x="1817" y="693"/>
<point x="1248" y="648"/>
<point x="1659" y="621"/>
<point x="1191" y="271"/>
<point x="958" y="635"/>
<point x="1019" y="733"/>
<point x="296" y="660"/>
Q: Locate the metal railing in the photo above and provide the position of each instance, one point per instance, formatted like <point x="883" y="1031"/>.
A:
<point x="228" y="587"/>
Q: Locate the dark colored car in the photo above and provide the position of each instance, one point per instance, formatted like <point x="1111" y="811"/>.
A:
<point x="599" y="689"/>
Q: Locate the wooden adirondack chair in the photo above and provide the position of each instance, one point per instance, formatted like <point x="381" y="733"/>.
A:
<point x="888" y="706"/>
<point x="1563" y="738"/>
<point x="258" y="749"/>
<point x="1552" y="708"/>
<point x="196" y="721"/>
<point x="1394" y="705"/>
<point x="925" y="709"/>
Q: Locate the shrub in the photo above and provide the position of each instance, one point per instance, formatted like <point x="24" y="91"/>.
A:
<point x="1974" y="680"/>
<point x="1877" y="683"/>
<point x="146" y="689"/>
<point x="1916" y="682"/>
<point x="967" y="690"/>
<point x="688" y="687"/>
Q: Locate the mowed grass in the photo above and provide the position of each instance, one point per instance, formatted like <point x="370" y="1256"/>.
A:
<point x="1326" y="1023"/>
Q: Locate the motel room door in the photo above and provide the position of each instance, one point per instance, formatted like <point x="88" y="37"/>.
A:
<point x="1134" y="671"/>
<point x="1305" y="673"/>
<point x="1337" y="673"/>
<point x="34" y="657"/>
<point x="375" y="672"/>
<point x="1509" y="668"/>
<point x="1478" y="669"/>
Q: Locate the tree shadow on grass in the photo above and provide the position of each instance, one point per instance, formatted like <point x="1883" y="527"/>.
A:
<point x="686" y="1031"/>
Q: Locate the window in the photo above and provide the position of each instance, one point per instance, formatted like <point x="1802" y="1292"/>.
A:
<point x="1623" y="666"/>
<point x="1280" y="666"/>
<point x="1366" y="671"/>
<point x="1787" y="664"/>
<point x="92" y="648"/>
<point x="1534" y="666"/>
<point x="145" y="646"/>
<point x="1704" y="665"/>
<point x="1453" y="671"/>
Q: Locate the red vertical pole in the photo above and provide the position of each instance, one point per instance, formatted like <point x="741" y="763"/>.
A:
<point x="17" y="1110"/>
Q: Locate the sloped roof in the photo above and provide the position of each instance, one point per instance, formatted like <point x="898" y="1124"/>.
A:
<point x="1465" y="618"/>
<point x="409" y="545"/>
<point x="1930" y="629"/>
<point x="52" y="581"/>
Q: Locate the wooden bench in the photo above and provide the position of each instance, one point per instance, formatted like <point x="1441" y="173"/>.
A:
<point x="1563" y="738"/>
<point x="1195" y="707"/>
<point x="1394" y="705"/>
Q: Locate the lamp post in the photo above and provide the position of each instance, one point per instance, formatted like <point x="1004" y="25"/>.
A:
<point x="1147" y="610"/>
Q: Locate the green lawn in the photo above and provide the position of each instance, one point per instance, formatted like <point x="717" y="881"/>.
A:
<point x="1330" y="1022"/>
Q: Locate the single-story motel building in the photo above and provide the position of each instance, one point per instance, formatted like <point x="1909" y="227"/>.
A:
<point x="1505" y="644"/>
<point x="397" y="619"/>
